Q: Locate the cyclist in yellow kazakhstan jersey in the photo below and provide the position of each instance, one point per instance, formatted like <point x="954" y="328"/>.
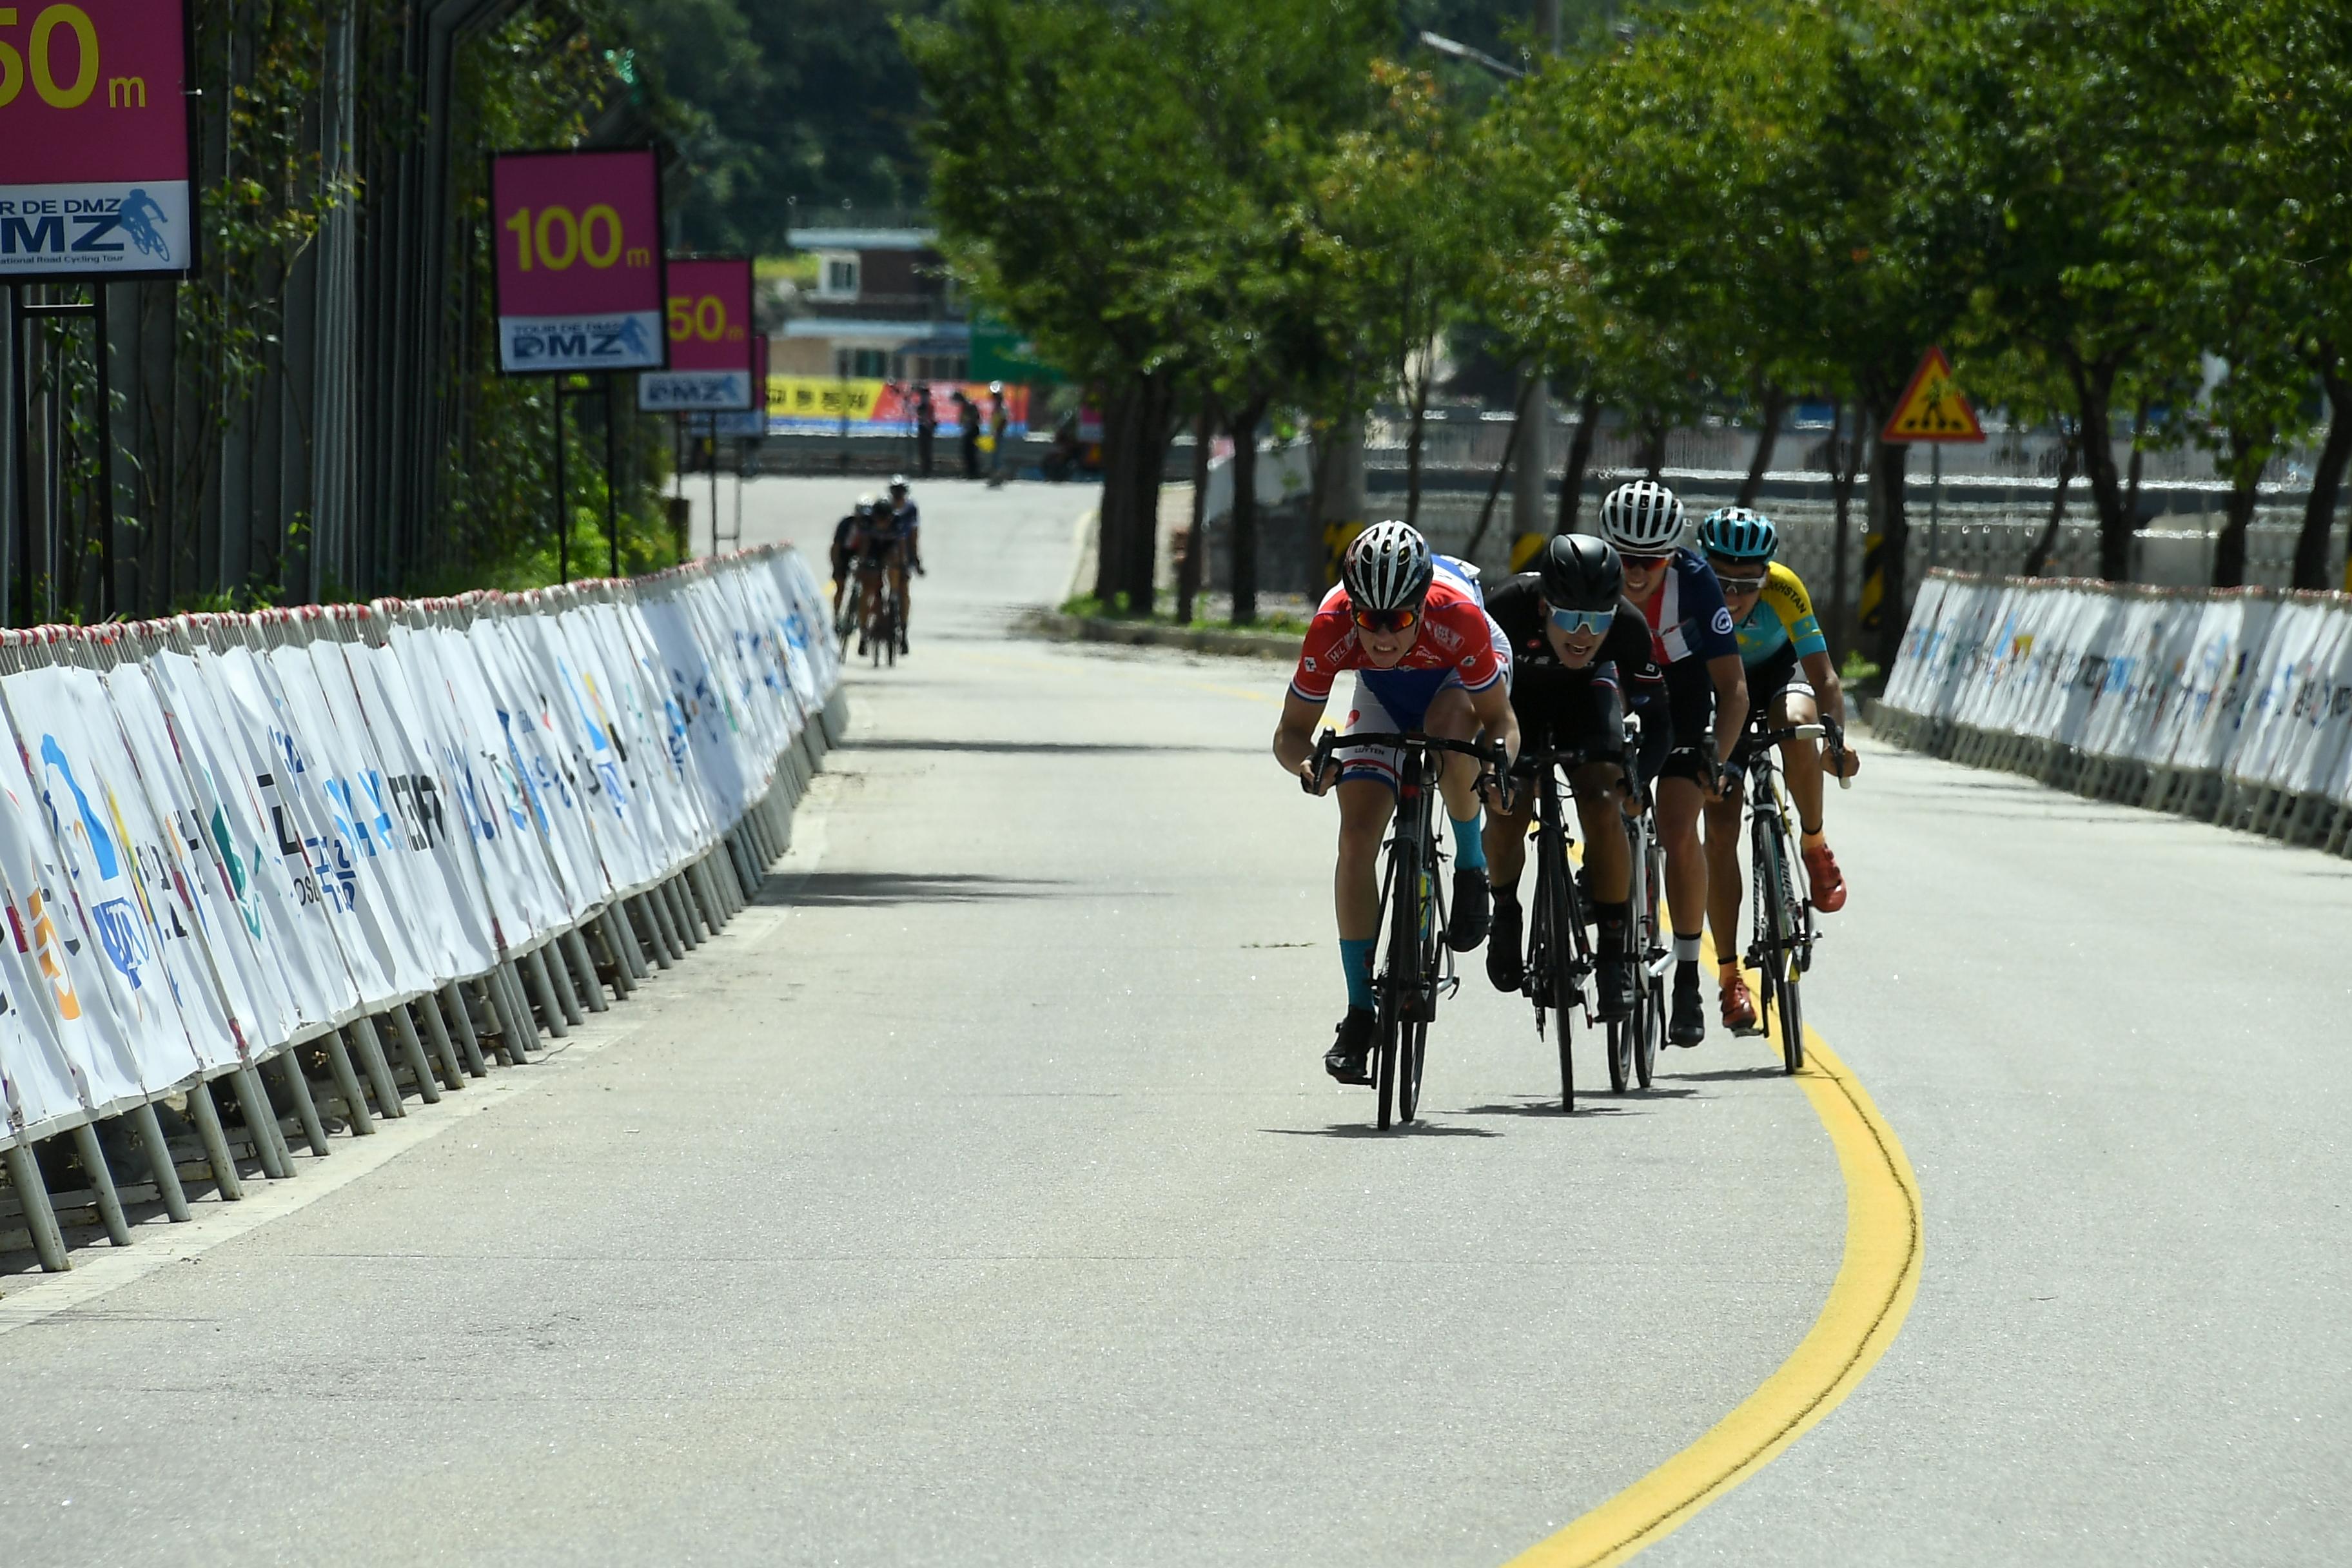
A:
<point x="1791" y="682"/>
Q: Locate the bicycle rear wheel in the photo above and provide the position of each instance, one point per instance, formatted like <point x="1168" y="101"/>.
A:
<point x="1646" y="1026"/>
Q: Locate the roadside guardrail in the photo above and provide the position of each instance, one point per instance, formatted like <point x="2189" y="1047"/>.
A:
<point x="265" y="873"/>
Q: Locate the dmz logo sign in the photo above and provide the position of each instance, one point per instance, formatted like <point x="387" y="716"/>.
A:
<point x="630" y="341"/>
<point x="62" y="228"/>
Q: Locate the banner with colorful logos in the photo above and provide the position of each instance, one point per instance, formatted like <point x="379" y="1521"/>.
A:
<point x="223" y="835"/>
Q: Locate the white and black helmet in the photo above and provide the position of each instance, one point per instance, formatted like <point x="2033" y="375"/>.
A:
<point x="1387" y="568"/>
<point x="1645" y="517"/>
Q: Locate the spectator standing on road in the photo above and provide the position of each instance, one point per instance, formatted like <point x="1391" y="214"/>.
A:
<point x="999" y="424"/>
<point x="967" y="421"/>
<point x="927" y="426"/>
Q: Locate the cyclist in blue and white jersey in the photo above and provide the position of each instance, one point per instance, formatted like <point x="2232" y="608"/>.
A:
<point x="1692" y="634"/>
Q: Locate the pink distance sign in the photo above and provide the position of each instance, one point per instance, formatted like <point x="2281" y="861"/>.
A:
<point x="94" y="140"/>
<point x="580" y="269"/>
<point x="708" y="313"/>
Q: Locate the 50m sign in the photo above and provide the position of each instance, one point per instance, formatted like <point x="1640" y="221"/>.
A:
<point x="94" y="140"/>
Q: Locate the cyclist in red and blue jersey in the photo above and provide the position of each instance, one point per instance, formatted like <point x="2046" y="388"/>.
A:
<point x="1426" y="657"/>
<point x="1692" y="632"/>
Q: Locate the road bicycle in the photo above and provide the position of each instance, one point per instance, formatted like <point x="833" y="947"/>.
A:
<point x="1416" y="966"/>
<point x="1560" y="958"/>
<point x="878" y="638"/>
<point x="1780" y="948"/>
<point x="1635" y="1039"/>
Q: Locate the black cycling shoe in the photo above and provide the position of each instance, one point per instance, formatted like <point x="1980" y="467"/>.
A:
<point x="1473" y="898"/>
<point x="1348" y="1059"/>
<point x="1505" y="965"/>
<point x="1616" y="987"/>
<point x="1686" y="1025"/>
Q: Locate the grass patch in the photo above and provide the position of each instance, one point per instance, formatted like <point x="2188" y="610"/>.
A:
<point x="1092" y="608"/>
<point x="1858" y="670"/>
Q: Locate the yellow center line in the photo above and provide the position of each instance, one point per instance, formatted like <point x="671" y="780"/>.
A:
<point x="1885" y="1240"/>
<point x="1876" y="1280"/>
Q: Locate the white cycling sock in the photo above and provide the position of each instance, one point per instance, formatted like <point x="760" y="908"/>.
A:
<point x="1685" y="948"/>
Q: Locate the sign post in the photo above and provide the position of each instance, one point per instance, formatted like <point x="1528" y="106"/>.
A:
<point x="97" y="121"/>
<point x="709" y="316"/>
<point x="580" y="280"/>
<point x="1935" y="410"/>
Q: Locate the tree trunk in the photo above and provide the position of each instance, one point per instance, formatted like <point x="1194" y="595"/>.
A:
<point x="1579" y="455"/>
<point x="1845" y="468"/>
<point x="1113" y="533"/>
<point x="2037" y="560"/>
<point x="2095" y="385"/>
<point x="2328" y="478"/>
<point x="1243" y="427"/>
<point x="2245" y="487"/>
<point x="1412" y="450"/>
<point x="1653" y="444"/>
<point x="1156" y="424"/>
<point x="2131" y="471"/>
<point x="1494" y="490"/>
<point x="1890" y="538"/>
<point x="1776" y="405"/>
<point x="1188" y="565"/>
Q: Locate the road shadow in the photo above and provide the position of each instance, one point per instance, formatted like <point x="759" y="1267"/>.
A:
<point x="1366" y="1130"/>
<point x="1725" y="1075"/>
<point x="872" y="889"/>
<point x="1587" y="1103"/>
<point x="1045" y="748"/>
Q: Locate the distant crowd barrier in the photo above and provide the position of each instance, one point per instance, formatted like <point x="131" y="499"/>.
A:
<point x="2232" y="705"/>
<point x="317" y="860"/>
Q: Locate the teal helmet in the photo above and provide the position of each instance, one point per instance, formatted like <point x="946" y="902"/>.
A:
<point x="1738" y="533"/>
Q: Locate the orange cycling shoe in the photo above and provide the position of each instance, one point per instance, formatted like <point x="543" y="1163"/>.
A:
<point x="1739" y="1006"/>
<point x="1821" y="871"/>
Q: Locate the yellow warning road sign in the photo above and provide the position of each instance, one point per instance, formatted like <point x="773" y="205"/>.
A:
<point x="1933" y="407"/>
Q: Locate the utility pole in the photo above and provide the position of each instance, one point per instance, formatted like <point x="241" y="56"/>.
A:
<point x="1531" y="518"/>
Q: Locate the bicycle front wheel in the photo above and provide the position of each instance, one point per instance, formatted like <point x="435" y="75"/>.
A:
<point x="1778" y="969"/>
<point x="1646" y="1027"/>
<point x="1400" y="1001"/>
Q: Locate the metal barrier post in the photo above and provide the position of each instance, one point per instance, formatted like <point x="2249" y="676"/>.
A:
<point x="347" y="1084"/>
<point x="216" y="1141"/>
<point x="40" y="1219"/>
<point x="159" y="1167"/>
<point x="423" y="1065"/>
<point x="361" y="1034"/>
<point x="451" y="1011"/>
<point x="590" y="988"/>
<point x="543" y="986"/>
<point x="298" y="1089"/>
<point x="261" y="1127"/>
<point x="101" y="1184"/>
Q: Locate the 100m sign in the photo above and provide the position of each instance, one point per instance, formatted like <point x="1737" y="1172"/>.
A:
<point x="554" y="239"/>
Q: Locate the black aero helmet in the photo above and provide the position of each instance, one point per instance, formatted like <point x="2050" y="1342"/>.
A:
<point x="1581" y="573"/>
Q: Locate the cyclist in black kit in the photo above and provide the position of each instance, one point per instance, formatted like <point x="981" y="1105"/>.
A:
<point x="1582" y="656"/>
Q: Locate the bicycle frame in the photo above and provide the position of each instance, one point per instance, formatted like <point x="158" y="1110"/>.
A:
<point x="1417" y="966"/>
<point x="1780" y="950"/>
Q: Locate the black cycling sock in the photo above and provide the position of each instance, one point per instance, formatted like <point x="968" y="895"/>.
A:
<point x="1613" y="920"/>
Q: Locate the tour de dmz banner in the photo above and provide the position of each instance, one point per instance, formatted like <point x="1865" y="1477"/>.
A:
<point x="820" y="405"/>
<point x="94" y="140"/>
<point x="580" y="275"/>
<point x="708" y="312"/>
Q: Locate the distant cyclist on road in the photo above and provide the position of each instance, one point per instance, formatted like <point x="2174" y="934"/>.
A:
<point x="880" y="547"/>
<point x="844" y="545"/>
<point x="1427" y="657"/>
<point x="910" y="536"/>
<point x="1583" y="658"/>
<point x="1691" y="632"/>
<point x="1792" y="682"/>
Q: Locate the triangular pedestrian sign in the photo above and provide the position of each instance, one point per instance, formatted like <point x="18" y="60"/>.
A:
<point x="1933" y="407"/>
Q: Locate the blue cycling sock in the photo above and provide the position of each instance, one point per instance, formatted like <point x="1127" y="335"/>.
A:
<point x="1356" y="958"/>
<point x="1469" y="846"/>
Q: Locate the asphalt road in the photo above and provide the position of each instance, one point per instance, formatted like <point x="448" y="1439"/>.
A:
<point x="980" y="1199"/>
